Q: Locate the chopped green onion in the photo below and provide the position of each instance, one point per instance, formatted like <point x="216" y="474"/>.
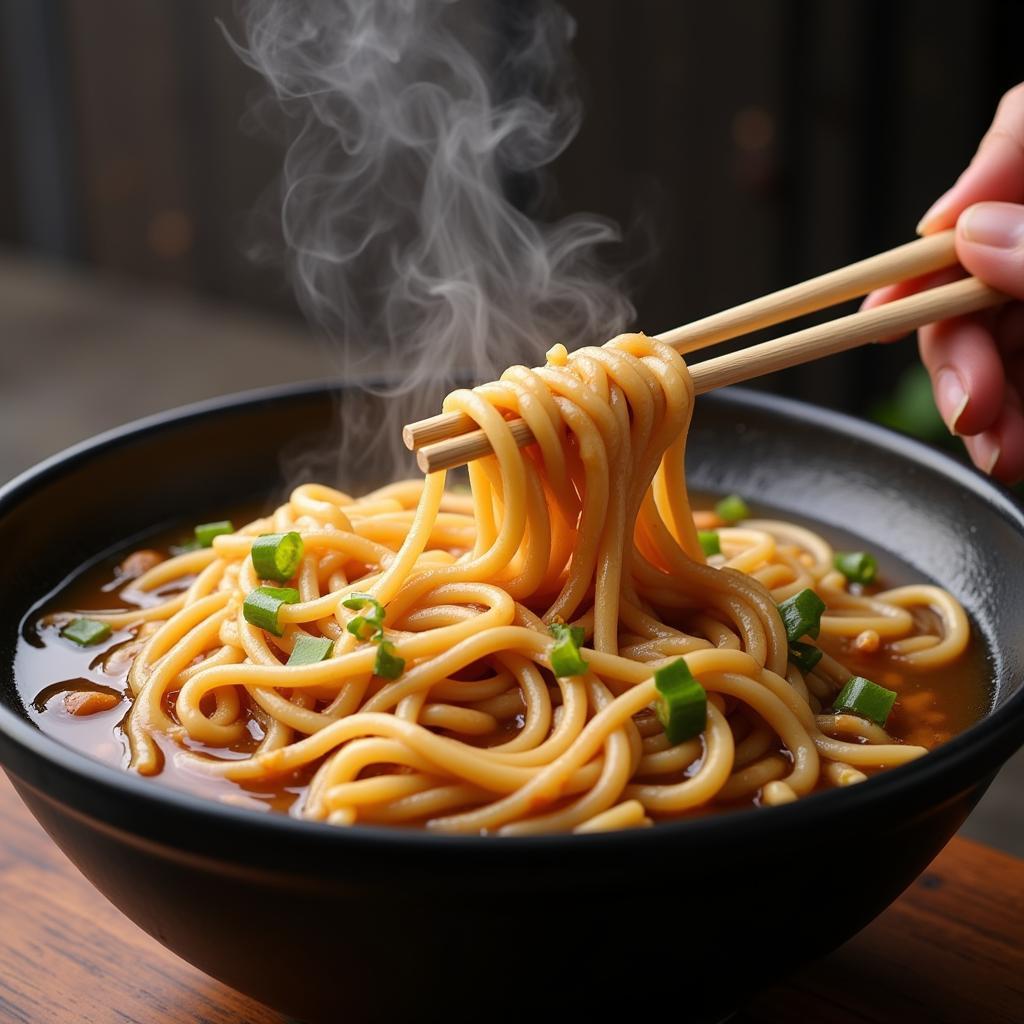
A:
<point x="710" y="542"/>
<point x="308" y="650"/>
<point x="375" y="620"/>
<point x="682" y="704"/>
<point x="732" y="509"/>
<point x="566" y="659"/>
<point x="804" y="656"/>
<point x="276" y="556"/>
<point x="262" y="605"/>
<point x="86" y="632"/>
<point x="356" y="626"/>
<point x="387" y="664"/>
<point x="856" y="566"/>
<point x="205" y="532"/>
<point x="801" y="614"/>
<point x="862" y="697"/>
<point x="559" y="630"/>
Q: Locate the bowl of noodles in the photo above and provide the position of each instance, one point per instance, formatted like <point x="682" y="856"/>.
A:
<point x="394" y="749"/>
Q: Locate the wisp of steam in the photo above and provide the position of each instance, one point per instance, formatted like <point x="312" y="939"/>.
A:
<point x="412" y="125"/>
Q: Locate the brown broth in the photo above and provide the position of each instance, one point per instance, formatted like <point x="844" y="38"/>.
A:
<point x="931" y="707"/>
<point x="47" y="666"/>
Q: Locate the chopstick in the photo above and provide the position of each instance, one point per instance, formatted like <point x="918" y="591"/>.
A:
<point x="452" y="439"/>
<point x="913" y="259"/>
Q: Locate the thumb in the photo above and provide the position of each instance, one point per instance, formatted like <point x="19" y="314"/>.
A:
<point x="990" y="245"/>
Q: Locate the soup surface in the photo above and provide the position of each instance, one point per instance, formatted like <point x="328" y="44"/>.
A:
<point x="53" y="674"/>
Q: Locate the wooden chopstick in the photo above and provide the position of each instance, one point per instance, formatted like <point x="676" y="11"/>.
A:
<point x="914" y="259"/>
<point x="956" y="299"/>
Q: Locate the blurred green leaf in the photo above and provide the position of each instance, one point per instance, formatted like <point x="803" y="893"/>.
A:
<point x="911" y="409"/>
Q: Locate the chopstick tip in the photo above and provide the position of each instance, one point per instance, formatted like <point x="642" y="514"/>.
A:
<point x="423" y="461"/>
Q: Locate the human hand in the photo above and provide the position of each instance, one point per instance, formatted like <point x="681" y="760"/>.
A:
<point x="976" y="362"/>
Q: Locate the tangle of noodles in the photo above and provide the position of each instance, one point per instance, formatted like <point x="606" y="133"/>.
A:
<point x="591" y="526"/>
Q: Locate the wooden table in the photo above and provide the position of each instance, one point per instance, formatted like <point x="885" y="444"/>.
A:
<point x="950" y="951"/>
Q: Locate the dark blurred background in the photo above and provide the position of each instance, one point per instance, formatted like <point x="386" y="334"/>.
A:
<point x="742" y="144"/>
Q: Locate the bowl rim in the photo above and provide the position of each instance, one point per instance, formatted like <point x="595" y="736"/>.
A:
<point x="997" y="725"/>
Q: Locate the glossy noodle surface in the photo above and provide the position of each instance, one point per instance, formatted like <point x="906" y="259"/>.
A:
<point x="437" y="705"/>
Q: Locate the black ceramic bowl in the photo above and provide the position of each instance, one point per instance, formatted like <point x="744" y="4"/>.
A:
<point x="366" y="924"/>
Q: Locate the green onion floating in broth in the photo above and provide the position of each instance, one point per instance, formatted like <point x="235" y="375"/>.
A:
<point x="710" y="542"/>
<point x="732" y="509"/>
<point x="801" y="614"/>
<point x="856" y="566"/>
<point x="205" y="532"/>
<point x="682" y="704"/>
<point x="804" y="656"/>
<point x="86" y="632"/>
<point x="862" y="697"/>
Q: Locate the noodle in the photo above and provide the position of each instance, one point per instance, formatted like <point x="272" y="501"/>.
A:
<point x="591" y="526"/>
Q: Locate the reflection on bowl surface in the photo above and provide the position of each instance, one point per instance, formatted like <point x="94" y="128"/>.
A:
<point x="310" y="918"/>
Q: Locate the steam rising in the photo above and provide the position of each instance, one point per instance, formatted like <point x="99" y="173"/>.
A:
<point x="402" y="242"/>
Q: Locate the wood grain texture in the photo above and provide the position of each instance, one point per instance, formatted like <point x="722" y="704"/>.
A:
<point x="914" y="259"/>
<point x="950" y="951"/>
<point x="68" y="957"/>
<point x="891" y="320"/>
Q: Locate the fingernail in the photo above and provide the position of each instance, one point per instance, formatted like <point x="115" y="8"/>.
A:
<point x="934" y="212"/>
<point x="985" y="451"/>
<point x="998" y="225"/>
<point x="950" y="397"/>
